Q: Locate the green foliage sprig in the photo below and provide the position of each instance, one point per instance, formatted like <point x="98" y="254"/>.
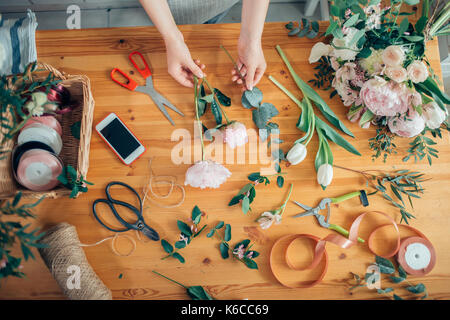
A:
<point x="14" y="93"/>
<point x="242" y="252"/>
<point x="262" y="112"/>
<point x="248" y="192"/>
<point x="12" y="232"/>
<point x="187" y="233"/>
<point x="402" y="183"/>
<point x="194" y="292"/>
<point x="72" y="181"/>
<point x="305" y="28"/>
<point x="387" y="267"/>
<point x="382" y="143"/>
<point x="224" y="247"/>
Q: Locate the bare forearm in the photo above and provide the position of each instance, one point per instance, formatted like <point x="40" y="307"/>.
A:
<point x="253" y="17"/>
<point x="159" y="13"/>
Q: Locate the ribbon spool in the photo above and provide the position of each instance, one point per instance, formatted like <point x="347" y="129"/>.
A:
<point x="38" y="170"/>
<point x="49" y="121"/>
<point x="416" y="255"/>
<point x="18" y="151"/>
<point x="42" y="133"/>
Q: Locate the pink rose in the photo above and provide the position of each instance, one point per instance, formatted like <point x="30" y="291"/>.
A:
<point x="235" y="135"/>
<point x="206" y="174"/>
<point x="407" y="126"/>
<point x="384" y="98"/>
<point x="417" y="71"/>
<point x="393" y="56"/>
<point x="398" y="74"/>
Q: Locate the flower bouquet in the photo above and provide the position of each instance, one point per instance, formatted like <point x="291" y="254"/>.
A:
<point x="376" y="63"/>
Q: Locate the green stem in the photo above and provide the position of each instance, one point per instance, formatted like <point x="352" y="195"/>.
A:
<point x="197" y="115"/>
<point x="287" y="199"/>
<point x="234" y="63"/>
<point x="445" y="16"/>
<point x="215" y="96"/>
<point x="170" y="279"/>
<point x="313" y="121"/>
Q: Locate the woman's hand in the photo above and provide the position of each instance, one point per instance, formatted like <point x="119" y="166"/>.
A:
<point x="250" y="62"/>
<point x="180" y="64"/>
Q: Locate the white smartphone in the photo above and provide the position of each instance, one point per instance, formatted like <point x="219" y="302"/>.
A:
<point x="120" y="138"/>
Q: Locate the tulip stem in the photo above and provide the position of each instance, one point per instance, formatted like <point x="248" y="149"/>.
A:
<point x="287" y="199"/>
<point x="197" y="115"/>
<point x="170" y="279"/>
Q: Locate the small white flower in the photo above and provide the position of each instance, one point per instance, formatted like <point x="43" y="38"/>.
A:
<point x="325" y="174"/>
<point x="239" y="252"/>
<point x="417" y="71"/>
<point x="319" y="50"/>
<point x="350" y="52"/>
<point x="433" y="115"/>
<point x="297" y="153"/>
<point x="206" y="174"/>
<point x="267" y="219"/>
<point x="184" y="238"/>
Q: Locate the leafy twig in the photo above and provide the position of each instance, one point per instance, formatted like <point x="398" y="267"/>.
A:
<point x="224" y="247"/>
<point x="194" y="292"/>
<point x="72" y="181"/>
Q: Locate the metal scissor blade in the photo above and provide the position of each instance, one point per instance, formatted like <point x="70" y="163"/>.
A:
<point x="150" y="233"/>
<point x="304" y="206"/>
<point x="156" y="95"/>
<point x="305" y="214"/>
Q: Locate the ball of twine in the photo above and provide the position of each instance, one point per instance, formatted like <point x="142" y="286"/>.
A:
<point x="63" y="251"/>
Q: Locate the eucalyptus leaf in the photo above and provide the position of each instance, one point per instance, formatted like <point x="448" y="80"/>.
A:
<point x="196" y="215"/>
<point x="166" y="246"/>
<point x="245" y="204"/>
<point x="184" y="228"/>
<point x="227" y="234"/>
<point x="253" y="97"/>
<point x="198" y="293"/>
<point x="224" y="250"/>
<point x="223" y="99"/>
<point x="215" y="109"/>
<point x="420" y="288"/>
<point x="385" y="265"/>
<point x="178" y="256"/>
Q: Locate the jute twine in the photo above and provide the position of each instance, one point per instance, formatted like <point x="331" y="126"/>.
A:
<point x="63" y="251"/>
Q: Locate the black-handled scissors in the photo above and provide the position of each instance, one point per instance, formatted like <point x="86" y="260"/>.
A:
<point x="139" y="225"/>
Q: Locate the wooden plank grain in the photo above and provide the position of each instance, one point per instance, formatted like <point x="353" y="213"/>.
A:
<point x="95" y="52"/>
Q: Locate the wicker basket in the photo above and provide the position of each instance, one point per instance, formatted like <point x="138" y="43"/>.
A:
<point x="74" y="152"/>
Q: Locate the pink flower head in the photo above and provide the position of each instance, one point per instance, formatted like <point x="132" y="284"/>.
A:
<point x="417" y="71"/>
<point x="393" y="56"/>
<point x="3" y="263"/>
<point x="384" y="98"/>
<point x="407" y="126"/>
<point x="206" y="174"/>
<point x="239" y="252"/>
<point x="235" y="135"/>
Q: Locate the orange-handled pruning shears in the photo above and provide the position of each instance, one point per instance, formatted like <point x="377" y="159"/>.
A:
<point x="148" y="89"/>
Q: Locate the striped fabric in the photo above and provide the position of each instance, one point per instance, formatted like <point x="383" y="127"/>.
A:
<point x="198" y="11"/>
<point x="17" y="43"/>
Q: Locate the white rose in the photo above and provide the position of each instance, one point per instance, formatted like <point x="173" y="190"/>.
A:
<point x="417" y="71"/>
<point x="319" y="50"/>
<point x="433" y="115"/>
<point x="297" y="153"/>
<point x="393" y="56"/>
<point x="398" y="74"/>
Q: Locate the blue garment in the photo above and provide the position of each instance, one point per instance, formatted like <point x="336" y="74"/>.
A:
<point x="17" y="44"/>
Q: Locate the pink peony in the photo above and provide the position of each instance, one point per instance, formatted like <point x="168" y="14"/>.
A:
<point x="407" y="126"/>
<point x="384" y="98"/>
<point x="206" y="174"/>
<point x="235" y="135"/>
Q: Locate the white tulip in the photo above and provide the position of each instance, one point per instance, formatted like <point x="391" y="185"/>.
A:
<point x="325" y="174"/>
<point x="433" y="115"/>
<point x="319" y="50"/>
<point x="297" y="153"/>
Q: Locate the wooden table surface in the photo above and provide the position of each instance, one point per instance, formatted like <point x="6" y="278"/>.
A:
<point x="95" y="51"/>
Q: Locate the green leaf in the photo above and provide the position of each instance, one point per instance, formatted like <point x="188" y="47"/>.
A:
<point x="219" y="225"/>
<point x="351" y="21"/>
<point x="180" y="244"/>
<point x="17" y="198"/>
<point x="396" y="297"/>
<point x="332" y="135"/>
<point x="280" y="181"/>
<point x="414" y="38"/>
<point x="224" y="250"/>
<point x="227" y="234"/>
<point x="402" y="272"/>
<point x="215" y="108"/>
<point x="416" y="289"/>
<point x="198" y="293"/>
<point x="253" y="97"/>
<point x="75" y="129"/>
<point x="179" y="257"/>
<point x="432" y="86"/>
<point x="403" y="26"/>
<point x="314" y="32"/>
<point x="236" y="200"/>
<point x="196" y="215"/>
<point x="184" y="228"/>
<point x="396" y="279"/>
<point x="245" y="242"/>
<point x="421" y="23"/>
<point x="263" y="114"/>
<point x="251" y="264"/>
<point x="254" y="176"/>
<point x="384" y="291"/>
<point x="245" y="204"/>
<point x="223" y="99"/>
<point x="167" y="246"/>
<point x="211" y="233"/>
<point x="412" y="2"/>
<point x="385" y="265"/>
<point x="26" y="252"/>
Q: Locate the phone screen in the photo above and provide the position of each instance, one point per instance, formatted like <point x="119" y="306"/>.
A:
<point x="120" y="138"/>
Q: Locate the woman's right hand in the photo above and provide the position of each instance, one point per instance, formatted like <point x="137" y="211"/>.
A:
<point x="180" y="64"/>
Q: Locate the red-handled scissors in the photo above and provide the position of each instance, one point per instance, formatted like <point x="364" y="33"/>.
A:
<point x="148" y="89"/>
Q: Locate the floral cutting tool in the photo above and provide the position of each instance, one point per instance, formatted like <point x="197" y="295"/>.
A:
<point x="325" y="204"/>
<point x="148" y="89"/>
